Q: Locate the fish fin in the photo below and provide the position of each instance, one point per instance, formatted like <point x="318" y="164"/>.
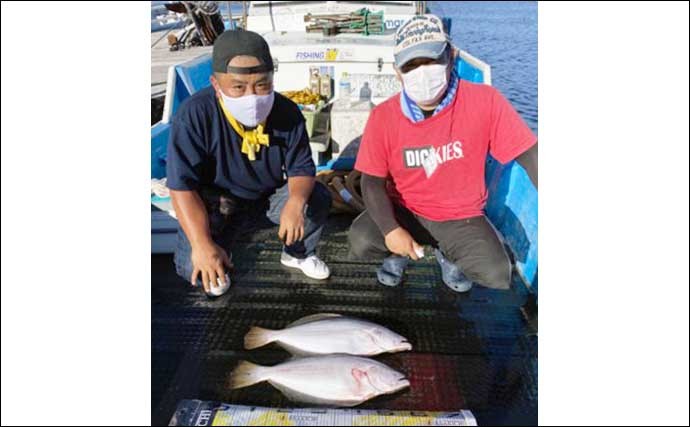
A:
<point x="246" y="374"/>
<point x="313" y="318"/>
<point x="358" y="374"/>
<point x="258" y="337"/>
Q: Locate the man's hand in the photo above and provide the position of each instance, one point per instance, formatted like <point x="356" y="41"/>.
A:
<point x="291" y="222"/>
<point x="401" y="243"/>
<point x="209" y="261"/>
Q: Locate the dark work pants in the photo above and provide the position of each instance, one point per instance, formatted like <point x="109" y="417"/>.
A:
<point x="472" y="244"/>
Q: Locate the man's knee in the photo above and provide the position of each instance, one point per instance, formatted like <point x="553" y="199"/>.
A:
<point x="495" y="272"/>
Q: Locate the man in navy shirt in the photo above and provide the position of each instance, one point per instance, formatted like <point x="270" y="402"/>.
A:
<point x="239" y="154"/>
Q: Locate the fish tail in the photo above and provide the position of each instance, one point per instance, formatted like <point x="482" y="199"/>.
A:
<point x="246" y="374"/>
<point x="258" y="337"/>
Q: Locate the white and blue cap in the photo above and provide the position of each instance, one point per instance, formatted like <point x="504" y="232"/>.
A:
<point x="423" y="36"/>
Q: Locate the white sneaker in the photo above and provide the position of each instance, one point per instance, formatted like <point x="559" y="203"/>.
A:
<point x="311" y="266"/>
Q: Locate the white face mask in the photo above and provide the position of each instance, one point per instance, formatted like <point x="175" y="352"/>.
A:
<point x="426" y="83"/>
<point x="250" y="110"/>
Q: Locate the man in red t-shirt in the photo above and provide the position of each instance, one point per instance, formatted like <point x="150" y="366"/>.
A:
<point x="422" y="159"/>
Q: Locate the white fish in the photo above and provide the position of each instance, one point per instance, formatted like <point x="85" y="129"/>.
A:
<point x="333" y="380"/>
<point x="329" y="334"/>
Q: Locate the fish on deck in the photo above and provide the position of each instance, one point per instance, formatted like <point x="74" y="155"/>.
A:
<point x="333" y="380"/>
<point x="327" y="333"/>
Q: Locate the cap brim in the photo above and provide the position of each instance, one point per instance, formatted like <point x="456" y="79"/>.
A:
<point x="432" y="50"/>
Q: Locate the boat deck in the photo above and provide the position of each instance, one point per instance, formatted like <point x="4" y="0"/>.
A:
<point x="472" y="351"/>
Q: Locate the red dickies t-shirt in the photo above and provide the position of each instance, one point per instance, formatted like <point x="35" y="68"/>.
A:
<point x="436" y="167"/>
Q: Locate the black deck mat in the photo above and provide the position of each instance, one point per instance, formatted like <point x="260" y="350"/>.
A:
<point x="471" y="351"/>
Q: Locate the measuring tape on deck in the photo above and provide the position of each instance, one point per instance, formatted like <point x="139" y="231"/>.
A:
<point x="204" y="413"/>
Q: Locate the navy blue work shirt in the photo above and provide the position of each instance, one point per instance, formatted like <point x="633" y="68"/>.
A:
<point x="205" y="151"/>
